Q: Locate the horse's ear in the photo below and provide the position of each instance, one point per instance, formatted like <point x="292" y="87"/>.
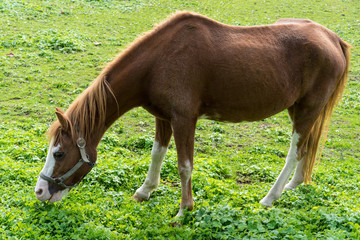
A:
<point x="59" y="110"/>
<point x="64" y="121"/>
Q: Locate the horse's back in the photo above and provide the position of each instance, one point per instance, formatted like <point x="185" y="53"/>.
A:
<point x="269" y="68"/>
<point x="235" y="73"/>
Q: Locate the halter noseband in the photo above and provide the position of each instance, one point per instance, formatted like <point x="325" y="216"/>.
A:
<point x="81" y="143"/>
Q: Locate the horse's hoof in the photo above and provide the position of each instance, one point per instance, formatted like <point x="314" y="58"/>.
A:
<point x="139" y="198"/>
<point x="266" y="203"/>
<point x="289" y="187"/>
<point x="175" y="224"/>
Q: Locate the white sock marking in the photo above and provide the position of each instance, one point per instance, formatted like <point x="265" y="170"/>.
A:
<point x="186" y="170"/>
<point x="298" y="177"/>
<point x="291" y="162"/>
<point x="153" y="177"/>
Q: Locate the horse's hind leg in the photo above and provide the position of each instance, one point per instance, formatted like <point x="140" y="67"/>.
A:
<point x="298" y="177"/>
<point x="304" y="115"/>
<point x="162" y="139"/>
<point x="291" y="162"/>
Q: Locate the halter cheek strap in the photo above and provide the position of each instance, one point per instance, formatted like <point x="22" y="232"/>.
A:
<point x="81" y="143"/>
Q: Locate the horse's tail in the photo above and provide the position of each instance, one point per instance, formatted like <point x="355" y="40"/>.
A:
<point x="319" y="131"/>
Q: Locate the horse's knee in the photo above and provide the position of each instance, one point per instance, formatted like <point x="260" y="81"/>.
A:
<point x="185" y="169"/>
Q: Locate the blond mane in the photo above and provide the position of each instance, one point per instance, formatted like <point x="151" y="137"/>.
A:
<point x="88" y="110"/>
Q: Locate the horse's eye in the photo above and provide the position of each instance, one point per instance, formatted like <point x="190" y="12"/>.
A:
<point x="58" y="155"/>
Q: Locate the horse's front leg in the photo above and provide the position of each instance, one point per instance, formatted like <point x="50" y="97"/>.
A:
<point x="162" y="139"/>
<point x="184" y="132"/>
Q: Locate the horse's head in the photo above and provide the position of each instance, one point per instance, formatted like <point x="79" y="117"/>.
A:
<point x="69" y="159"/>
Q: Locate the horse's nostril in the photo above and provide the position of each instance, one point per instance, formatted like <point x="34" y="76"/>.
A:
<point x="39" y="192"/>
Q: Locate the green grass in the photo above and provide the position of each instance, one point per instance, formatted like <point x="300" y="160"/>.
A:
<point x="48" y="55"/>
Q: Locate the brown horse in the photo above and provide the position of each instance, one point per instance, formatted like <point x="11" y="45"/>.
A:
<point x="192" y="67"/>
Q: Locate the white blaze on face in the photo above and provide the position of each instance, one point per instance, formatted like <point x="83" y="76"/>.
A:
<point x="50" y="161"/>
<point x="42" y="186"/>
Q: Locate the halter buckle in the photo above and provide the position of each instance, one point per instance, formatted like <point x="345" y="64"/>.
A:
<point x="81" y="143"/>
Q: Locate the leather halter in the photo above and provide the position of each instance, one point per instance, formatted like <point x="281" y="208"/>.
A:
<point x="81" y="143"/>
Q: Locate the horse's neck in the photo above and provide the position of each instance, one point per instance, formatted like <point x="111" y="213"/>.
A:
<point x="125" y="76"/>
<point x="126" y="82"/>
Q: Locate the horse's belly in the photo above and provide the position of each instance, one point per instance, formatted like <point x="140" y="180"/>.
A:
<point x="245" y="110"/>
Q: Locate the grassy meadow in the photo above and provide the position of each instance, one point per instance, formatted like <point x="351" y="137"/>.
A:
<point x="50" y="51"/>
